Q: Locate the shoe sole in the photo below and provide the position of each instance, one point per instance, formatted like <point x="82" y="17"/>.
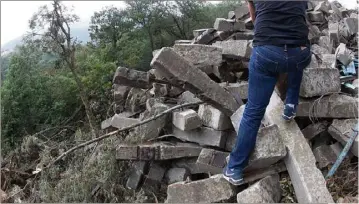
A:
<point x="231" y="181"/>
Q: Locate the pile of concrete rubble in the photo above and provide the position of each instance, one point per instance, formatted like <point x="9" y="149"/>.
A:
<point x="187" y="149"/>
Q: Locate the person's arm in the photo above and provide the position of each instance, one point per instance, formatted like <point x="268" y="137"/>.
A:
<point x="252" y="10"/>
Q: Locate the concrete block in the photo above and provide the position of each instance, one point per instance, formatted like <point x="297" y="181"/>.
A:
<point x="132" y="78"/>
<point x="211" y="190"/>
<point x="183" y="42"/>
<point x="186" y="120"/>
<point x="266" y="190"/>
<point x="237" y="117"/>
<point x="314" y="63"/>
<point x="206" y="37"/>
<point x="308" y="182"/>
<point x="231" y="15"/>
<point x="175" y="175"/>
<point x="236" y="49"/>
<point x="352" y="25"/>
<point x="213" y="118"/>
<point x="343" y="54"/>
<point x="157" y="151"/>
<point x="199" y="32"/>
<point x="317" y="50"/>
<point x="314" y="34"/>
<point x="245" y="35"/>
<point x="328" y="61"/>
<point x="187" y="97"/>
<point x="240" y="25"/>
<point x="153" y="179"/>
<point x="323" y="6"/>
<point x="338" y="148"/>
<point x="202" y="136"/>
<point x="223" y="35"/>
<point x="136" y="100"/>
<point x="120" y="94"/>
<point x="314" y="129"/>
<point x="190" y="164"/>
<point x="333" y="106"/>
<point x="316" y="16"/>
<point x="139" y="168"/>
<point x="341" y="131"/>
<point x="324" y="156"/>
<point x="153" y="101"/>
<point x="241" y="11"/>
<point x="333" y="33"/>
<point x="204" y="57"/>
<point x="159" y="90"/>
<point x="248" y="23"/>
<point x="324" y="42"/>
<point x="118" y="122"/>
<point x="318" y="82"/>
<point x="178" y="71"/>
<point x="221" y="24"/>
<point x="238" y="90"/>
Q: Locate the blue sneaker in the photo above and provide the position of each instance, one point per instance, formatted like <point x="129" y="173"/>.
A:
<point x="233" y="176"/>
<point x="289" y="112"/>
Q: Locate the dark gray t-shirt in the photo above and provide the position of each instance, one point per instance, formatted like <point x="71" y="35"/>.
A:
<point x="280" y="22"/>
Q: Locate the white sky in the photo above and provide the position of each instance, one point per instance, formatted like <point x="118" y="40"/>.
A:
<point x="16" y="14"/>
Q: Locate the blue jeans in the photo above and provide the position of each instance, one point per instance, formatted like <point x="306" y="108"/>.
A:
<point x="266" y="63"/>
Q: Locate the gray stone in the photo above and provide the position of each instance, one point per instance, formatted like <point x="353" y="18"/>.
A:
<point x="314" y="129"/>
<point x="199" y="32"/>
<point x="341" y="131"/>
<point x="356" y="83"/>
<point x="139" y="168"/>
<point x="314" y="33"/>
<point x="238" y="90"/>
<point x="241" y="11"/>
<point x="175" y="175"/>
<point x="239" y="25"/>
<point x="206" y="37"/>
<point x="186" y="120"/>
<point x="231" y="15"/>
<point x="159" y="90"/>
<point x="202" y="136"/>
<point x="210" y="190"/>
<point x="204" y="57"/>
<point x="338" y="9"/>
<point x="308" y="182"/>
<point x="237" y="117"/>
<point x="316" y="16"/>
<point x="154" y="52"/>
<point x="324" y="156"/>
<point x="333" y="30"/>
<point x="317" y="50"/>
<point x="118" y="122"/>
<point x="323" y="6"/>
<point x="237" y="49"/>
<point x="188" y="97"/>
<point x="152" y="180"/>
<point x="343" y="54"/>
<point x="314" y="62"/>
<point x="178" y="71"/>
<point x="213" y="118"/>
<point x="152" y="101"/>
<point x="223" y="35"/>
<point x="221" y="24"/>
<point x="183" y="42"/>
<point x="268" y="150"/>
<point x="352" y="25"/>
<point x="324" y="42"/>
<point x="338" y="148"/>
<point x="136" y="100"/>
<point x="267" y="190"/>
<point x="248" y="23"/>
<point x="246" y="35"/>
<point x="333" y="106"/>
<point x="132" y="77"/>
<point x="190" y="164"/>
<point x="328" y="61"/>
<point x="120" y="94"/>
<point x="157" y="151"/>
<point x="319" y="81"/>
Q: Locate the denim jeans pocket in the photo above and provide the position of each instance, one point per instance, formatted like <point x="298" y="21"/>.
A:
<point x="304" y="60"/>
<point x="264" y="64"/>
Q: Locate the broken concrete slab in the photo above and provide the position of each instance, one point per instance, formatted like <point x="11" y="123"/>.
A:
<point x="118" y="122"/>
<point x="333" y="33"/>
<point x="324" y="156"/>
<point x="136" y="99"/>
<point x="323" y="6"/>
<point x="314" y="63"/>
<point x="188" y="97"/>
<point x="314" y="129"/>
<point x="338" y="148"/>
<point x="178" y="71"/>
<point x="213" y="189"/>
<point x="186" y="120"/>
<point x="157" y="151"/>
<point x="231" y="15"/>
<point x="332" y="106"/>
<point x="159" y="90"/>
<point x="132" y="78"/>
<point x="190" y="164"/>
<point x="204" y="57"/>
<point x="175" y="175"/>
<point x="238" y="90"/>
<point x="206" y="37"/>
<point x="241" y="11"/>
<point x="139" y="168"/>
<point x="199" y="32"/>
<point x="222" y="24"/>
<point x="239" y="25"/>
<point x="248" y="23"/>
<point x="152" y="101"/>
<point x="152" y="180"/>
<point x="341" y="131"/>
<point x="236" y="49"/>
<point x="245" y="35"/>
<point x="268" y="150"/>
<point x="319" y="81"/>
<point x="343" y="54"/>
<point x="202" y="136"/>
<point x="120" y="94"/>
<point x="317" y="50"/>
<point x="316" y="16"/>
<point x="352" y="25"/>
<point x="213" y="118"/>
<point x="223" y="35"/>
<point x="307" y="180"/>
<point x="328" y="61"/>
<point x="314" y="34"/>
<point x="266" y="190"/>
<point x="324" y="42"/>
<point x="183" y="42"/>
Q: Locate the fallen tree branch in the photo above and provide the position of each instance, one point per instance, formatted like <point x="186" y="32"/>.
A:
<point x="120" y="130"/>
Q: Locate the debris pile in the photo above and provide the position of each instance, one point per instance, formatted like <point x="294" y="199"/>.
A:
<point x="188" y="148"/>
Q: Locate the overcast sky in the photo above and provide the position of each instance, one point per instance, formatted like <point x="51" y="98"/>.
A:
<point x="16" y="14"/>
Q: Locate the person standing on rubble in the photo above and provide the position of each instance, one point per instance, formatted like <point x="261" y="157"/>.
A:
<point x="280" y="45"/>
